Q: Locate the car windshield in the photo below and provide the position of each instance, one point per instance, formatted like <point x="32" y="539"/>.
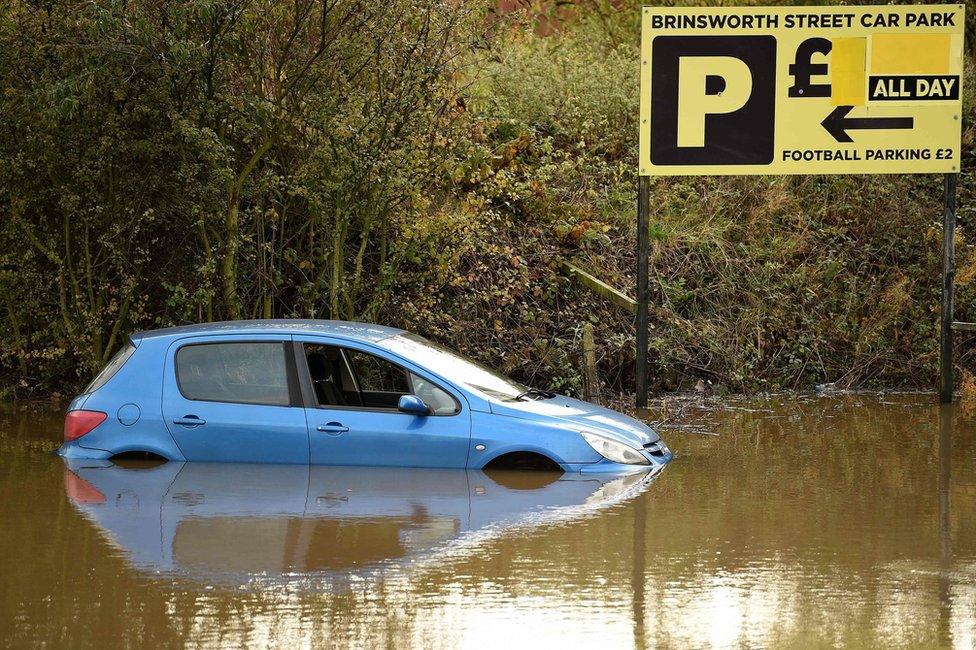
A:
<point x="454" y="367"/>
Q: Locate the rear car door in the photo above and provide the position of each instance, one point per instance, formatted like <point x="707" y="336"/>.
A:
<point x="235" y="399"/>
<point x="351" y="395"/>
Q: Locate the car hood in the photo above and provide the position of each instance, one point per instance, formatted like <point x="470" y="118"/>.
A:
<point x="582" y="415"/>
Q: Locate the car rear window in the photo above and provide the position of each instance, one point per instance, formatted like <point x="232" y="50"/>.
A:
<point x="248" y="373"/>
<point x="112" y="367"/>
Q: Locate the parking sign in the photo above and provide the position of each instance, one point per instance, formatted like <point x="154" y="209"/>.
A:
<point x="801" y="90"/>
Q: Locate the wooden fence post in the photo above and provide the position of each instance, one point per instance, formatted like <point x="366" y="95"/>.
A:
<point x="591" y="383"/>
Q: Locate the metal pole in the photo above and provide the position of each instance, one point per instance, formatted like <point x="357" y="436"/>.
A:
<point x="948" y="279"/>
<point x="643" y="208"/>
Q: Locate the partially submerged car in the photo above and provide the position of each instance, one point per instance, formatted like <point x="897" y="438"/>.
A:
<point x="337" y="393"/>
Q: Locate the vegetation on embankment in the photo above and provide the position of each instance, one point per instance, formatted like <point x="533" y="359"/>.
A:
<point x="426" y="166"/>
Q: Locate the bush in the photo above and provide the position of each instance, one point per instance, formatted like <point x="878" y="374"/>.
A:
<point x="427" y="166"/>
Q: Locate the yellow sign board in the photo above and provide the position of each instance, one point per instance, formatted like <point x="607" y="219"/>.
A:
<point x="801" y="90"/>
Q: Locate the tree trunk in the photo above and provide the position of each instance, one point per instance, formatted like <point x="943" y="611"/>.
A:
<point x="228" y="265"/>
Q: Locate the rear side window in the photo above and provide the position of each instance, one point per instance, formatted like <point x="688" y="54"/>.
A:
<point x="111" y="368"/>
<point x="248" y="373"/>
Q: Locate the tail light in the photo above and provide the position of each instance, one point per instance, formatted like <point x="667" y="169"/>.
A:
<point x="78" y="423"/>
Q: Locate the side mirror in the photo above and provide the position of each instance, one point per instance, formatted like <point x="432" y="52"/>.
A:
<point x="413" y="404"/>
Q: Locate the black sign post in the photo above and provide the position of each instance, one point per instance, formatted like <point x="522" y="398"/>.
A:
<point x="948" y="278"/>
<point x="643" y="233"/>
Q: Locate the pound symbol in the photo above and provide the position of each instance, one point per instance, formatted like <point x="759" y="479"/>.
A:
<point x="802" y="69"/>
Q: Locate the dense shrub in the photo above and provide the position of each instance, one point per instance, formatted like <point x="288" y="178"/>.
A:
<point x="203" y="159"/>
<point x="426" y="165"/>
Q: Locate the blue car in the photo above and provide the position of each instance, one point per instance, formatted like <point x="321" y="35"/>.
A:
<point x="337" y="393"/>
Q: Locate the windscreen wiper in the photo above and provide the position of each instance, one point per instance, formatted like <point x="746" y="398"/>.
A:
<point x="544" y="394"/>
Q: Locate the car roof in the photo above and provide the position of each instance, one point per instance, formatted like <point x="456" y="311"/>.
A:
<point x="346" y="329"/>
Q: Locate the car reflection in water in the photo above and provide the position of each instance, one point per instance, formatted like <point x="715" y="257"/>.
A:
<point x="236" y="524"/>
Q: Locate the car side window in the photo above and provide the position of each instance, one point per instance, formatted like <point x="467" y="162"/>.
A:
<point x="331" y="377"/>
<point x="439" y="400"/>
<point x="378" y="375"/>
<point x="244" y="372"/>
<point x="346" y="377"/>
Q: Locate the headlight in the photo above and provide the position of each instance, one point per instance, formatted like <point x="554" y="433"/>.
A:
<point x="610" y="449"/>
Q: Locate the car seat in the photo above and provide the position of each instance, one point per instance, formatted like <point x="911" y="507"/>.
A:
<point x="323" y="370"/>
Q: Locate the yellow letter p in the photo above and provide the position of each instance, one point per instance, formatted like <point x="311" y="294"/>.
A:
<point x="708" y="85"/>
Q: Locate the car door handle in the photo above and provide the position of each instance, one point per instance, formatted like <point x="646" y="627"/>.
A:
<point x="332" y="427"/>
<point x="189" y="421"/>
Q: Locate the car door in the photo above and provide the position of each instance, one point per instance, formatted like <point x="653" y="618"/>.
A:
<point x="351" y="393"/>
<point x="235" y="399"/>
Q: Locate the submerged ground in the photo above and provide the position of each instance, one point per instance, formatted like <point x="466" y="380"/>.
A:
<point x="803" y="521"/>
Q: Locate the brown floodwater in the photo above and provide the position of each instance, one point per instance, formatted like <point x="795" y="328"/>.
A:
<point x="801" y="522"/>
